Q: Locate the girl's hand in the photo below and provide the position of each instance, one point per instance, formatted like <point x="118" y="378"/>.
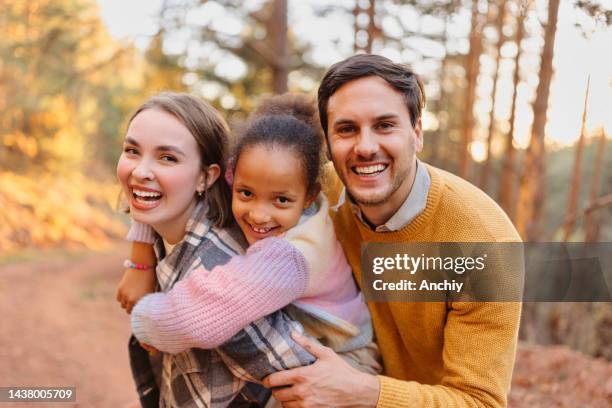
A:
<point x="133" y="286"/>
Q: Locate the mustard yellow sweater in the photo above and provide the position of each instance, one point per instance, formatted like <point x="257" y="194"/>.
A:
<point x="441" y="354"/>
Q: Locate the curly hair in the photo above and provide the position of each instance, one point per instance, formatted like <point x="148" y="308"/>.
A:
<point x="287" y="121"/>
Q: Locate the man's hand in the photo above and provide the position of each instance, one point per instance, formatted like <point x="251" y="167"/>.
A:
<point x="329" y="382"/>
<point x="134" y="285"/>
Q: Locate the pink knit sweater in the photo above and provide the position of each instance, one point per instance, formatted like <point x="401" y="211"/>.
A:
<point x="307" y="268"/>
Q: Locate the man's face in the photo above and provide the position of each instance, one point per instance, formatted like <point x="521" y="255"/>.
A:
<point x="373" y="142"/>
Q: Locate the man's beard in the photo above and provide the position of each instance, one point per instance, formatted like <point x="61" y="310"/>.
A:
<point x="374" y="200"/>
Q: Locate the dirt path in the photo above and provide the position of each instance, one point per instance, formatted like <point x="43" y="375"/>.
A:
<point x="61" y="326"/>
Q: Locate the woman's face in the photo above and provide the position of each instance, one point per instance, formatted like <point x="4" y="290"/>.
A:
<point x="160" y="172"/>
<point x="269" y="192"/>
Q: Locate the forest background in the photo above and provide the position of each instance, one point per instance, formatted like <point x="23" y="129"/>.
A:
<point x="519" y="95"/>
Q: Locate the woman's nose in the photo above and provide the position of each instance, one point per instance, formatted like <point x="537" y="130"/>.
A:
<point x="143" y="171"/>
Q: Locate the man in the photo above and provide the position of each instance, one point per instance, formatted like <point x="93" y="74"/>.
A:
<point x="444" y="354"/>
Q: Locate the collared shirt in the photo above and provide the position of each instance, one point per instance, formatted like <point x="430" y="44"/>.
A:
<point x="413" y="205"/>
<point x="219" y="377"/>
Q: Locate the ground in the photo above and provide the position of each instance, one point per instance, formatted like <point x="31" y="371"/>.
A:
<point x="63" y="327"/>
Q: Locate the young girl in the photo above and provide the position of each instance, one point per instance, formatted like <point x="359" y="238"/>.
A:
<point x="275" y="193"/>
<point x="174" y="153"/>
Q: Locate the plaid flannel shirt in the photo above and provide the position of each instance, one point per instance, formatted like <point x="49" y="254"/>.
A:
<point x="226" y="375"/>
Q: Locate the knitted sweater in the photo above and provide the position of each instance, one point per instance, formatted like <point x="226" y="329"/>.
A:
<point x="209" y="307"/>
<point x="451" y="354"/>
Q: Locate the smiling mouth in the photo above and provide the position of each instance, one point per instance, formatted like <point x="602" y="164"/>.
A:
<point x="369" y="171"/>
<point x="146" y="197"/>
<point x="262" y="230"/>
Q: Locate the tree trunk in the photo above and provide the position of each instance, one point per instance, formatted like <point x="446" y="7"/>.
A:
<point x="591" y="227"/>
<point x="532" y="183"/>
<point x="371" y="31"/>
<point x="499" y="25"/>
<point x="279" y="44"/>
<point x="508" y="174"/>
<point x="436" y="143"/>
<point x="572" y="201"/>
<point x="472" y="67"/>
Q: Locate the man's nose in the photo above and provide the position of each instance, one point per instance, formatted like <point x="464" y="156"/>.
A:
<point x="367" y="144"/>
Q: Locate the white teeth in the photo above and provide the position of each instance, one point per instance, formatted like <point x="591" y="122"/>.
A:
<point x="370" y="169"/>
<point x="260" y="230"/>
<point x="140" y="193"/>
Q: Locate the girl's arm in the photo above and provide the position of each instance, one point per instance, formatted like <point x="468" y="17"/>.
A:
<point x="136" y="283"/>
<point x="208" y="308"/>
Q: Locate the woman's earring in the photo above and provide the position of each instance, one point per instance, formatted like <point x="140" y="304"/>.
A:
<point x="200" y="192"/>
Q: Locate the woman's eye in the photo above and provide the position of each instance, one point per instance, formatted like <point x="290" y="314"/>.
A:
<point x="168" y="159"/>
<point x="130" y="150"/>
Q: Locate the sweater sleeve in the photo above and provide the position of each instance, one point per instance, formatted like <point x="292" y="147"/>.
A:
<point x="140" y="232"/>
<point x="477" y="373"/>
<point x="208" y="308"/>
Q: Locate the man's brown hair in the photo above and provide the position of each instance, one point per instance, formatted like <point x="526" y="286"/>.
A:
<point x="359" y="66"/>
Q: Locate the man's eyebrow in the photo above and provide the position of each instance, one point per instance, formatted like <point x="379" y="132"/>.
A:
<point x="387" y="116"/>
<point x="384" y="116"/>
<point x="342" y="121"/>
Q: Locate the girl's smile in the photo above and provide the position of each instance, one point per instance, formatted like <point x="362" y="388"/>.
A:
<point x="269" y="191"/>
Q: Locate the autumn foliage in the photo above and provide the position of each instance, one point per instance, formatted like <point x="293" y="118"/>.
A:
<point x="48" y="210"/>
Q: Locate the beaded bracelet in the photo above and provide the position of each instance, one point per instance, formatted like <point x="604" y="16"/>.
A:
<point x="133" y="265"/>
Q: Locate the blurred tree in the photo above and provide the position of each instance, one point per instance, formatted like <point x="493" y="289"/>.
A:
<point x="366" y="29"/>
<point x="507" y="185"/>
<point x="163" y="71"/>
<point x="472" y="68"/>
<point x="58" y="63"/>
<point x="601" y="13"/>
<point x="572" y="200"/>
<point x="501" y="38"/>
<point x="532" y="181"/>
<point x="591" y="227"/>
<point x="233" y="52"/>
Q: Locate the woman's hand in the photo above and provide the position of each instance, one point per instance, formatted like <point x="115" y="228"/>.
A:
<point x="133" y="286"/>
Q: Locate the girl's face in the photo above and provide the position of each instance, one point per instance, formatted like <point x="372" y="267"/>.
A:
<point x="160" y="172"/>
<point x="269" y="191"/>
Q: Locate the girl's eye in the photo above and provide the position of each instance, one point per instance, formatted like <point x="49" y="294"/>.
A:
<point x="283" y="200"/>
<point x="245" y="193"/>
